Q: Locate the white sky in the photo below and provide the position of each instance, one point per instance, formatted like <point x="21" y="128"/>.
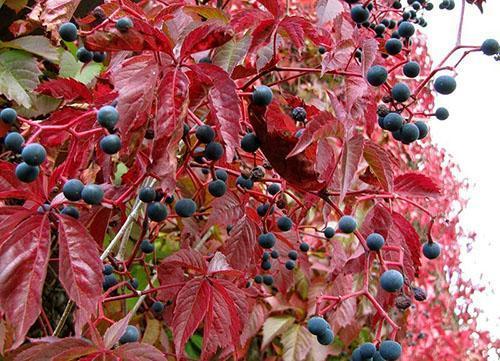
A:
<point x="472" y="136"/>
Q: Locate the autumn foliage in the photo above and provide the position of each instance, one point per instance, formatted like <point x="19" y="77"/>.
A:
<point x="229" y="259"/>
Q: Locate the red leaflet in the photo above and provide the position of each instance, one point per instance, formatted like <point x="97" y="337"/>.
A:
<point x="378" y="220"/>
<point x="172" y="109"/>
<point x="370" y="51"/>
<point x="186" y="259"/>
<point x="262" y="34"/>
<point x="411" y="241"/>
<point x="241" y="245"/>
<point x="351" y="155"/>
<point x="24" y="256"/>
<point x="67" y="88"/>
<point x="115" y="331"/>
<point x="142" y="36"/>
<point x="70" y="347"/>
<point x="416" y="185"/>
<point x="380" y="164"/>
<point x="204" y="37"/>
<point x="297" y="28"/>
<point x="11" y="187"/>
<point x="328" y="10"/>
<point x="273" y="6"/>
<point x="138" y="351"/>
<point x="79" y="258"/>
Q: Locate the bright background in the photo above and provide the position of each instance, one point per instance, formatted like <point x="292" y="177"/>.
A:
<point x="472" y="136"/>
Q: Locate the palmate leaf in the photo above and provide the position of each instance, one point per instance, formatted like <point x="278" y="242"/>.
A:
<point x="18" y="76"/>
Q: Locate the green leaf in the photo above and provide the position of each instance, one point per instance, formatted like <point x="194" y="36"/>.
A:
<point x="275" y="326"/>
<point x="35" y="44"/>
<point x="40" y="105"/>
<point x="232" y="53"/>
<point x="297" y="342"/>
<point x="89" y="72"/>
<point x="72" y="68"/>
<point x="16" y="5"/>
<point x="18" y="76"/>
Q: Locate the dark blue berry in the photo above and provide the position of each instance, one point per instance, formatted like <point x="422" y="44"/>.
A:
<point x="262" y="95"/>
<point x="284" y="223"/>
<point x="391" y="280"/>
<point x="205" y="134"/>
<point x="147" y="194"/>
<point x="393" y="122"/>
<point x="293" y="255"/>
<point x="445" y="84"/>
<point x="221" y="174"/>
<point x="124" y="24"/>
<point x="359" y="14"/>
<point x="274" y="254"/>
<point x="99" y="56"/>
<point x="423" y="129"/>
<point x="250" y="143"/>
<point x="367" y="350"/>
<point x="147" y="247"/>
<point x="68" y="32"/>
<point x="262" y="209"/>
<point x="406" y="29"/>
<point x="258" y="279"/>
<point x="273" y="189"/>
<point x="431" y="250"/>
<point x="299" y="114"/>
<point x="107" y="117"/>
<point x="72" y="190"/>
<point x="356" y="355"/>
<point x="185" y="207"/>
<point x="376" y="75"/>
<point x="14" y="142"/>
<point x="304" y="247"/>
<point x="266" y="265"/>
<point x="326" y="338"/>
<point x="8" y="115"/>
<point x="92" y="194"/>
<point x="490" y="47"/>
<point x="131" y="333"/>
<point x="400" y="92"/>
<point x="217" y="188"/>
<point x="267" y="240"/>
<point x="109" y="281"/>
<point x="442" y="113"/>
<point x="244" y="182"/>
<point x="110" y="144"/>
<point x="411" y="69"/>
<point x="157" y="211"/>
<point x="134" y="283"/>
<point x="205" y="60"/>
<point x="84" y="55"/>
<point x="268" y="280"/>
<point x="157" y="307"/>
<point x="321" y="50"/>
<point x="34" y="154"/>
<point x="214" y="151"/>
<point x="26" y="173"/>
<point x="290" y="265"/>
<point x="329" y="232"/>
<point x="393" y="46"/>
<point x="390" y="350"/>
<point x="317" y="325"/>
<point x="409" y="133"/>
<point x="107" y="269"/>
<point x="375" y="241"/>
<point x="347" y="224"/>
<point x="71" y="211"/>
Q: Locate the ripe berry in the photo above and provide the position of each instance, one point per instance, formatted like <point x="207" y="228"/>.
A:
<point x="198" y="155"/>
<point x="157" y="307"/>
<point x="217" y="188"/>
<point x="284" y="223"/>
<point x="356" y="355"/>
<point x="221" y="174"/>
<point x="397" y="5"/>
<point x="266" y="240"/>
<point x="262" y="95"/>
<point x="367" y="350"/>
<point x="244" y="182"/>
<point x="258" y="279"/>
<point x="423" y="129"/>
<point x="402" y="302"/>
<point x="329" y="232"/>
<point x="393" y="46"/>
<point x="409" y="133"/>
<point x="406" y="29"/>
<point x="147" y="194"/>
<point x="429" y="6"/>
<point x="326" y="338"/>
<point x="273" y="189"/>
<point x="8" y="115"/>
<point x="72" y="190"/>
<point x="268" y="280"/>
<point x="274" y="254"/>
<point x="92" y="194"/>
<point x="377" y="357"/>
<point x="265" y="265"/>
<point x="68" y="32"/>
<point x="290" y="265"/>
<point x="317" y="325"/>
<point x="107" y="269"/>
<point x="380" y="29"/>
<point x="304" y="247"/>
<point x="393" y="122"/>
<point x="109" y="281"/>
<point x="14" y="142"/>
<point x="321" y="50"/>
<point x="124" y="24"/>
<point x="157" y="211"/>
<point x="147" y="247"/>
<point x="214" y="151"/>
<point x="442" y="113"/>
<point x="445" y="84"/>
<point x="185" y="207"/>
<point x="347" y="224"/>
<point x="250" y="143"/>
<point x="110" y="144"/>
<point x="134" y="283"/>
<point x="299" y="114"/>
<point x="490" y="47"/>
<point x="99" y="56"/>
<point x="84" y="55"/>
<point x="359" y="14"/>
<point x="400" y="92"/>
<point x="205" y="134"/>
<point x="375" y="241"/>
<point x="34" y="154"/>
<point x="411" y="69"/>
<point x="131" y="333"/>
<point x="391" y="280"/>
<point x="71" y="211"/>
<point x="26" y="173"/>
<point x="293" y="255"/>
<point x="266" y="256"/>
<point x="206" y="60"/>
<point x="263" y="208"/>
<point x="390" y="350"/>
<point x="376" y="75"/>
<point x="431" y="250"/>
<point x="107" y="117"/>
<point x="419" y="294"/>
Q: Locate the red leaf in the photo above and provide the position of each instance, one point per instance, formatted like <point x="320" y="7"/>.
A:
<point x="67" y="88"/>
<point x="411" y="240"/>
<point x="190" y="309"/>
<point x="294" y="27"/>
<point x="380" y="164"/>
<point x="338" y="59"/>
<point x="416" y="185"/>
<point x="225" y="210"/>
<point x="254" y="323"/>
<point x="204" y="37"/>
<point x="53" y="350"/>
<point x="262" y="34"/>
<point x="187" y="259"/>
<point x="351" y="155"/>
<point x="24" y="258"/>
<point x="79" y="264"/>
<point x="328" y="10"/>
<point x="370" y="51"/>
<point x="240" y="246"/>
<point x="272" y="6"/>
<point x="378" y="220"/>
<point x="173" y="100"/>
<point x="135" y="79"/>
<point x="115" y="331"/>
<point x="142" y="36"/>
<point x="11" y="187"/>
<point x="139" y="351"/>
